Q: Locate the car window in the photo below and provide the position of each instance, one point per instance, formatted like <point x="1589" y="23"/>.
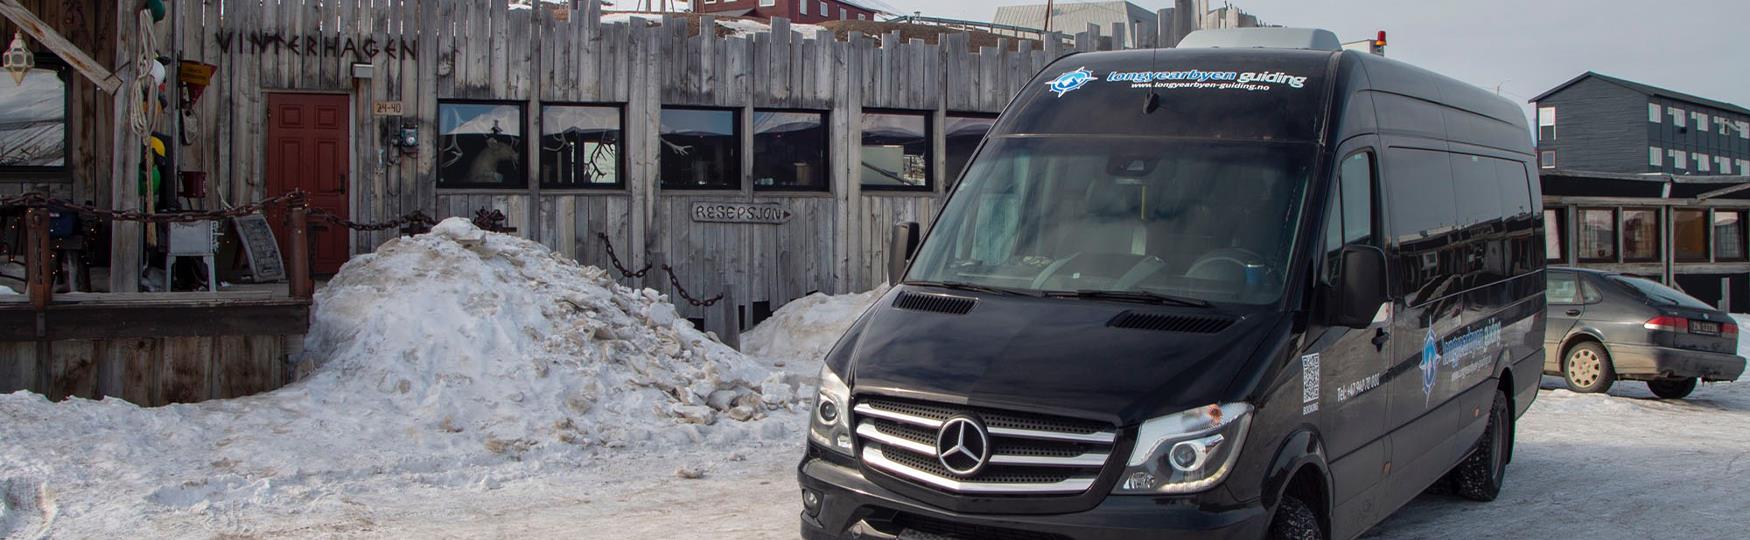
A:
<point x="1660" y="294"/>
<point x="1591" y="293"/>
<point x="1563" y="289"/>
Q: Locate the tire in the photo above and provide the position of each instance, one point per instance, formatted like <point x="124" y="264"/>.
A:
<point x="1672" y="388"/>
<point x="1480" y="476"/>
<point x="1587" y="368"/>
<point x="1294" y="520"/>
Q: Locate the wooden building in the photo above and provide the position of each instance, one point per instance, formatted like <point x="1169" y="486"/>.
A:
<point x="768" y="165"/>
<point x="1684" y="231"/>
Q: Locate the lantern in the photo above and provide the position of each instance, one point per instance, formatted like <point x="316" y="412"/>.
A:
<point x="19" y="60"/>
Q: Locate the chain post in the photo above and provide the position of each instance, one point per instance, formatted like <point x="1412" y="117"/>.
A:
<point x="40" y="274"/>
<point x="299" y="265"/>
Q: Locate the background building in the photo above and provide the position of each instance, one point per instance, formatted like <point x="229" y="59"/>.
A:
<point x="1073" y="17"/>
<point x="799" y="11"/>
<point x="1605" y="124"/>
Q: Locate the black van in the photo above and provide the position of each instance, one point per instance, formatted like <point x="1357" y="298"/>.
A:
<point x="1217" y="292"/>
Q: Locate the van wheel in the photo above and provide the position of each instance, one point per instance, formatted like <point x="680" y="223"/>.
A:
<point x="1479" y="477"/>
<point x="1672" y="388"/>
<point x="1587" y="368"/>
<point x="1294" y="520"/>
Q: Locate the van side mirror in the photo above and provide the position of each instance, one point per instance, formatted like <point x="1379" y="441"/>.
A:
<point x="1360" y="287"/>
<point x="900" y="249"/>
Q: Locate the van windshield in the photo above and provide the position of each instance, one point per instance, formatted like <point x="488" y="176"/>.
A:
<point x="1212" y="221"/>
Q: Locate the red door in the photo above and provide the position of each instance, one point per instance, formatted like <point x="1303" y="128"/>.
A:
<point x="307" y="149"/>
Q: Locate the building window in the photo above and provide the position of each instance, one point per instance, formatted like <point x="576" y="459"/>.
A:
<point x="1725" y="164"/>
<point x="768" y="3"/>
<point x="1655" y="156"/>
<point x="1701" y="162"/>
<point x="804" y="4"/>
<point x="825" y="10"/>
<point x="1555" y="233"/>
<point x="789" y="150"/>
<point x="1744" y="129"/>
<point x="896" y="151"/>
<point x="1546" y="123"/>
<point x="1680" y="159"/>
<point x="1654" y="115"/>
<point x="33" y="122"/>
<point x="860" y="17"/>
<point x="701" y="149"/>
<point x="964" y="132"/>
<point x="1640" y="235"/>
<point x="1744" y="167"/>
<point x="1729" y="235"/>
<point x="1597" y="235"/>
<point x="1547" y="159"/>
<point x="1700" y="121"/>
<point x="1689" y="235"/>
<point x="1678" y="117"/>
<point x="580" y="147"/>
<point x="842" y="14"/>
<point x="480" y="145"/>
<point x="1724" y="126"/>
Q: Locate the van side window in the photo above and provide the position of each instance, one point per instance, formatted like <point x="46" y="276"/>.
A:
<point x="1350" y="211"/>
<point x="1563" y="289"/>
<point x="1423" y="220"/>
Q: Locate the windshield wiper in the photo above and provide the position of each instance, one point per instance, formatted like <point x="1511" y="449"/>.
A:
<point x="962" y="286"/>
<point x="1132" y="296"/>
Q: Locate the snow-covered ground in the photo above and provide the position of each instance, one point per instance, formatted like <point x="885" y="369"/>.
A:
<point x="464" y="385"/>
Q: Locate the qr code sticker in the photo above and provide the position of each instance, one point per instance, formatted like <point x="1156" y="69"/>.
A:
<point x="1309" y="378"/>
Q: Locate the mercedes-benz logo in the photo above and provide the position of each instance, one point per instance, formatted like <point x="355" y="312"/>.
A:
<point x="962" y="446"/>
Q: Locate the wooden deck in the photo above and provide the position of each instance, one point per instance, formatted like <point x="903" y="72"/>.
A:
<point x="152" y="349"/>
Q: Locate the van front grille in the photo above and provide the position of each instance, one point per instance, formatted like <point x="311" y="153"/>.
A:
<point x="1029" y="454"/>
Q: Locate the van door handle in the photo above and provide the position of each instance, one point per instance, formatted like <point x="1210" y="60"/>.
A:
<point x="1380" y="339"/>
<point x="1573" y="313"/>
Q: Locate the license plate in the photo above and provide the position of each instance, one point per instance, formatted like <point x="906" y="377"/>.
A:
<point x="1704" y="327"/>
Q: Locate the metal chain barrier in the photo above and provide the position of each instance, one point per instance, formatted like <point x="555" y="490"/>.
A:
<point x="673" y="280"/>
<point x="615" y="259"/>
<point x="412" y="223"/>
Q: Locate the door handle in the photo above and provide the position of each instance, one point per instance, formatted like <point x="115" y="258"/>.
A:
<point x="1573" y="313"/>
<point x="1380" y="338"/>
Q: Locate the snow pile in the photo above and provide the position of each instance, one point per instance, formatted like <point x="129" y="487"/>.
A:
<point x="4" y="290"/>
<point x="800" y="334"/>
<point x="456" y="359"/>
<point x="735" y="27"/>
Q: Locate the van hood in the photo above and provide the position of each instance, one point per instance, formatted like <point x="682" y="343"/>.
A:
<point x="1055" y="356"/>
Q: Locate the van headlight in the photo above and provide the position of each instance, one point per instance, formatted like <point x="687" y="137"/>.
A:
<point x="1185" y="452"/>
<point x="830" y="421"/>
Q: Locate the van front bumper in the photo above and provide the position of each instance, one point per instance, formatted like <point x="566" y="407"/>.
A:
<point x="852" y="507"/>
<point x="1644" y="362"/>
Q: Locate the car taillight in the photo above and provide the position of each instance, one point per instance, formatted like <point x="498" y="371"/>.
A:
<point x="1668" y="323"/>
<point x="1728" y="330"/>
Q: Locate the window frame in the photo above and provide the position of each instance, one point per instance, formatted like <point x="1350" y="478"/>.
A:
<point x="523" y="113"/>
<point x="1622" y="234"/>
<point x="1560" y="230"/>
<point x="825" y="158"/>
<point x="1549" y="163"/>
<point x="1707" y="237"/>
<point x="1615" y="234"/>
<point x="739" y="119"/>
<point x="1655" y="157"/>
<point x="1579" y="290"/>
<point x="1743" y="235"/>
<point x="62" y="173"/>
<point x="1546" y="117"/>
<point x="620" y="183"/>
<point x="1655" y="113"/>
<point x="930" y="156"/>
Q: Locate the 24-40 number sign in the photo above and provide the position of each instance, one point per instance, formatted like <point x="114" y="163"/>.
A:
<point x="733" y="212"/>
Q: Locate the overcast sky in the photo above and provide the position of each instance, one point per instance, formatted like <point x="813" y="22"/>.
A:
<point x="1700" y="47"/>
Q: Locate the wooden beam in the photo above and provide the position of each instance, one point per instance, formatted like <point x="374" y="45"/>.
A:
<point x="72" y="54"/>
<point x="124" y="178"/>
<point x="1723" y="191"/>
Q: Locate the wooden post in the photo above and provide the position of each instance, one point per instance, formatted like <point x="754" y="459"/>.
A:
<point x="124" y="178"/>
<point x="725" y="318"/>
<point x="299" y="263"/>
<point x="40" y="272"/>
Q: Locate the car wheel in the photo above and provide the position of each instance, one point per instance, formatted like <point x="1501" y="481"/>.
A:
<point x="1294" y="520"/>
<point x="1587" y="368"/>
<point x="1672" y="388"/>
<point x="1479" y="477"/>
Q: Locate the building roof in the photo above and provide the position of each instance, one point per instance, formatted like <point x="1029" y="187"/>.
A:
<point x="1072" y="17"/>
<point x="875" y="6"/>
<point x="1644" y="89"/>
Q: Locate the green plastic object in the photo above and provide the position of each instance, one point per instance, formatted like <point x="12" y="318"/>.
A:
<point x="158" y="10"/>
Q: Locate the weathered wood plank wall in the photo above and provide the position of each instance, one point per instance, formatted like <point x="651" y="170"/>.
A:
<point x="434" y="50"/>
<point x="149" y="371"/>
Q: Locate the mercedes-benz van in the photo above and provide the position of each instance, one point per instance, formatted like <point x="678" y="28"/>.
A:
<point x="1224" y="292"/>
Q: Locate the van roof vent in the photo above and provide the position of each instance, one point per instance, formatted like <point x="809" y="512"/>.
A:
<point x="939" y="303"/>
<point x="1190" y="324"/>
<point x="1267" y="38"/>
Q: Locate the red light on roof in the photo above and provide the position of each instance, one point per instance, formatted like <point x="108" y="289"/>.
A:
<point x="1380" y="41"/>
